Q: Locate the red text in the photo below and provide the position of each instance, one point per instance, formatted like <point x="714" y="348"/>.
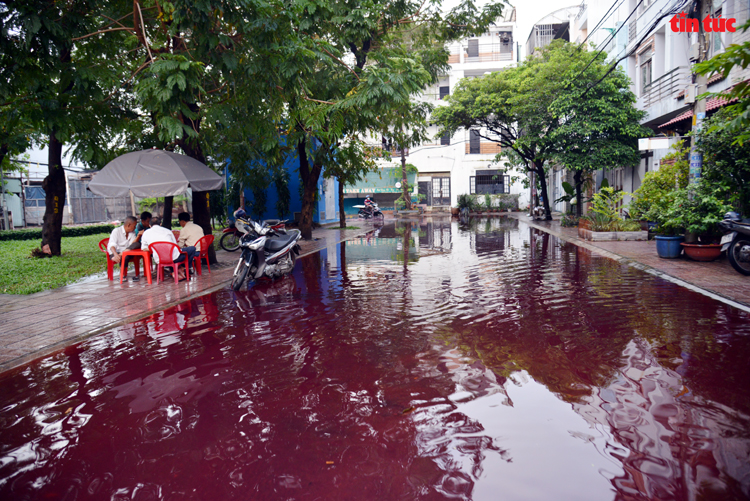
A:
<point x="681" y="24"/>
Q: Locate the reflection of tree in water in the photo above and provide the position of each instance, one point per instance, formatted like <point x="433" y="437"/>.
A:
<point x="573" y="329"/>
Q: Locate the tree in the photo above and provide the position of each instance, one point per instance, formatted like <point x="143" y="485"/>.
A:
<point x="60" y="86"/>
<point x="734" y="55"/>
<point x="546" y="110"/>
<point x="726" y="159"/>
<point x="599" y="125"/>
<point x="395" y="49"/>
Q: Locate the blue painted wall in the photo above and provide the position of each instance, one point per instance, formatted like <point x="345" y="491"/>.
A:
<point x="295" y="203"/>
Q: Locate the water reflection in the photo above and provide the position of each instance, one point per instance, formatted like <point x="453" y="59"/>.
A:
<point x="448" y="359"/>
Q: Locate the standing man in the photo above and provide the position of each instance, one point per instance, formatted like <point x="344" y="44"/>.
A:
<point x="120" y="240"/>
<point x="189" y="234"/>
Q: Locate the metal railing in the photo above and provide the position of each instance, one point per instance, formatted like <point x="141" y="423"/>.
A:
<point x="581" y="11"/>
<point x="484" y="53"/>
<point x="666" y="86"/>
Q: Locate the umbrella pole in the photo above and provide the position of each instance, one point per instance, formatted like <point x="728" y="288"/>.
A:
<point x="132" y="203"/>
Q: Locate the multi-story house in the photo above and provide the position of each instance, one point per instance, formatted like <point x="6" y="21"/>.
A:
<point x="463" y="163"/>
<point x="658" y="60"/>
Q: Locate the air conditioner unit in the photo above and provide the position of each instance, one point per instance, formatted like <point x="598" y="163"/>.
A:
<point x="690" y="92"/>
<point x="695" y="52"/>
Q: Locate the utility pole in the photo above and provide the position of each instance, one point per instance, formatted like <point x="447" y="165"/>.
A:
<point x="699" y="107"/>
<point x="5" y="205"/>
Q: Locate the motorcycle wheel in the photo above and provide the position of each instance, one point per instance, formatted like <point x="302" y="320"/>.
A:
<point x="733" y="253"/>
<point x="240" y="277"/>
<point x="230" y="242"/>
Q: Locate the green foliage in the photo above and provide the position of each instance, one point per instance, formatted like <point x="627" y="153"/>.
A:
<point x="569" y="221"/>
<point x="22" y="274"/>
<point x="652" y="200"/>
<point x="67" y="231"/>
<point x="737" y="125"/>
<point x="466" y="201"/>
<point x="699" y="208"/>
<point x="726" y="159"/>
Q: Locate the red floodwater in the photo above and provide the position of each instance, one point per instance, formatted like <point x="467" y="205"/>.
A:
<point x="435" y="361"/>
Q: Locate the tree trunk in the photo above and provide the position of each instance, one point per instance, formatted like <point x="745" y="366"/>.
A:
<point x="578" y="181"/>
<point x="310" y="183"/>
<point x="201" y="212"/>
<point x="539" y="167"/>
<point x="404" y="183"/>
<point x="54" y="190"/>
<point x="342" y="214"/>
<point x="166" y="219"/>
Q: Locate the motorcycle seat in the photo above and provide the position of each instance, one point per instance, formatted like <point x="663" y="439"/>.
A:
<point x="276" y="243"/>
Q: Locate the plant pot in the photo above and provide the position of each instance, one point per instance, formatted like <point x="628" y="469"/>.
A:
<point x="669" y="247"/>
<point x="702" y="252"/>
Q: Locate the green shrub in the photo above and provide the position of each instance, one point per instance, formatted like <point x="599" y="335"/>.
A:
<point x="67" y="231"/>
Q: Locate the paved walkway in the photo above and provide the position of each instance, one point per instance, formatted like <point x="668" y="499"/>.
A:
<point x="717" y="278"/>
<point x="39" y="324"/>
<point x="42" y="323"/>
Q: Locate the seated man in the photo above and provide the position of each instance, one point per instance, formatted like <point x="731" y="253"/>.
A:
<point x="120" y="240"/>
<point x="190" y="234"/>
<point x="158" y="233"/>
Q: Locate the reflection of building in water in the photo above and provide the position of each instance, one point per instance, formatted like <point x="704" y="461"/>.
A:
<point x="675" y="443"/>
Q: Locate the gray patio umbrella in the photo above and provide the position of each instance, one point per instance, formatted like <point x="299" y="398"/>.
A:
<point x="153" y="173"/>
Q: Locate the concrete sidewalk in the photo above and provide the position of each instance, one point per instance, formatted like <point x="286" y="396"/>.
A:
<point x="716" y="278"/>
<point x="42" y="323"/>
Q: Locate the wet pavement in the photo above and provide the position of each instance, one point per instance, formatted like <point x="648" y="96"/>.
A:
<point x="39" y="324"/>
<point x="423" y="361"/>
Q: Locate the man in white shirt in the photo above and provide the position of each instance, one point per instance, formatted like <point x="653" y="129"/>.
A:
<point x="119" y="241"/>
<point x="158" y="233"/>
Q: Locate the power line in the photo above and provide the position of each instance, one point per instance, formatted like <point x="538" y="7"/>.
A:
<point x="606" y="41"/>
<point x="598" y="25"/>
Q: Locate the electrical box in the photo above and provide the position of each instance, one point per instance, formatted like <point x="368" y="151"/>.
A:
<point x="690" y="92"/>
<point x="695" y="52"/>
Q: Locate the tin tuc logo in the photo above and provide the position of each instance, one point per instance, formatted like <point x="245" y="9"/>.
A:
<point x="681" y="24"/>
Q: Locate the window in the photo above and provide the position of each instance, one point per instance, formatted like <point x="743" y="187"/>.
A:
<point x="474" y="147"/>
<point x="444" y="91"/>
<point x="445" y="139"/>
<point x="716" y="46"/>
<point x="489" y="181"/>
<point x="645" y="75"/>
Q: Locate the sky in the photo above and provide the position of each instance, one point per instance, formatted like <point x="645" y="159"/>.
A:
<point x="527" y="13"/>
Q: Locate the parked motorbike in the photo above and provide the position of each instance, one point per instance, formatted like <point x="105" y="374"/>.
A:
<point x="266" y="252"/>
<point x="737" y="241"/>
<point x="230" y="240"/>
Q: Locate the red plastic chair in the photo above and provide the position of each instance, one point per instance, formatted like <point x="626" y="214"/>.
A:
<point x="136" y="260"/>
<point x="164" y="251"/>
<point x="110" y="264"/>
<point x="205" y="243"/>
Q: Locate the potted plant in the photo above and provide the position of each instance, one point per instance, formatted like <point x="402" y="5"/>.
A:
<point x="699" y="209"/>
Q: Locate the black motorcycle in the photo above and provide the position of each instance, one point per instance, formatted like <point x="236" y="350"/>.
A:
<point x="737" y="241"/>
<point x="266" y="252"/>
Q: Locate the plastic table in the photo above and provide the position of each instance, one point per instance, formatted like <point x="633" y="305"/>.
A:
<point x="146" y="256"/>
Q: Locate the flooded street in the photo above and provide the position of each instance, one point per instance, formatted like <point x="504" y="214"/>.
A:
<point x="444" y="360"/>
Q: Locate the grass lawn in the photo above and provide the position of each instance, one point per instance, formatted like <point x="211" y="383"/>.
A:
<point x="22" y="274"/>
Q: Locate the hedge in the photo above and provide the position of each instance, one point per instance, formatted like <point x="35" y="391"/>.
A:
<point x="67" y="231"/>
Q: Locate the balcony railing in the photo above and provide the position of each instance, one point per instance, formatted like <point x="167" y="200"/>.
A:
<point x="483" y="53"/>
<point x="666" y="86"/>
